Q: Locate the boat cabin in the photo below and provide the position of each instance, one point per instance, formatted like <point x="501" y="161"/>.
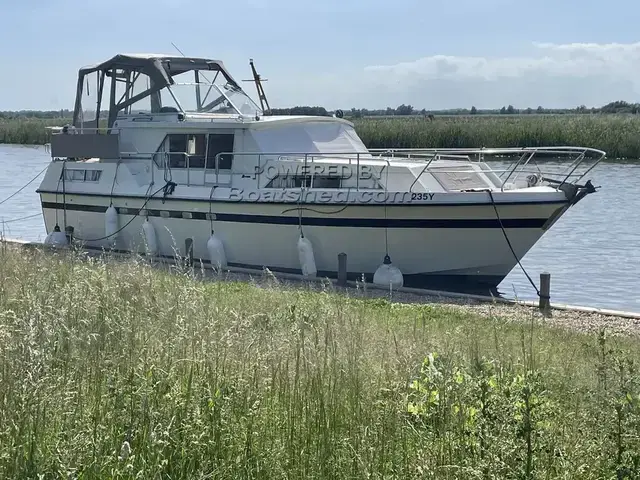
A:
<point x="190" y="116"/>
<point x="192" y="122"/>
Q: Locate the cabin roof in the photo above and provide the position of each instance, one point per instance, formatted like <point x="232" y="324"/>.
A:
<point x="159" y="68"/>
<point x="265" y="121"/>
<point x="149" y="62"/>
<point x="273" y="120"/>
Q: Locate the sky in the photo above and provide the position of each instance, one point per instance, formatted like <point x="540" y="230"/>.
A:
<point x="432" y="54"/>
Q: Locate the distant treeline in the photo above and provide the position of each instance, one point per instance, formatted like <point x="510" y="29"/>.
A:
<point x="618" y="107"/>
<point x="64" y="113"/>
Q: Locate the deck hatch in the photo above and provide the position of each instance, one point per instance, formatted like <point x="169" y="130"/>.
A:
<point x="459" y="178"/>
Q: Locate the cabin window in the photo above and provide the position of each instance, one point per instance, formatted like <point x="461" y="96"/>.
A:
<point x="92" y="175"/>
<point x="220" y="143"/>
<point x="196" y="148"/>
<point x="298" y="181"/>
<point x="81" y="175"/>
<point x="325" y="182"/>
<point x="183" y="146"/>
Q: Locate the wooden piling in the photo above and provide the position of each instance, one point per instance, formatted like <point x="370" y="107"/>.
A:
<point x="545" y="289"/>
<point x="188" y="249"/>
<point x="342" y="269"/>
<point x="68" y="231"/>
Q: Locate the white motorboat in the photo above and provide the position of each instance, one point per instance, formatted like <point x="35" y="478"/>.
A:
<point x="185" y="159"/>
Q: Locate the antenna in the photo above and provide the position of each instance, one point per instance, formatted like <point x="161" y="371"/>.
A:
<point x="261" y="95"/>
<point x="180" y="51"/>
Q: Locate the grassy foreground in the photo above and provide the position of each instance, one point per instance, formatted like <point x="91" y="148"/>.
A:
<point x="112" y="370"/>
<point x="618" y="135"/>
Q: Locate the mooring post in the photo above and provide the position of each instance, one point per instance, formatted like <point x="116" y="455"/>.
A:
<point x="342" y="269"/>
<point x="545" y="289"/>
<point x="188" y="249"/>
<point x="68" y="231"/>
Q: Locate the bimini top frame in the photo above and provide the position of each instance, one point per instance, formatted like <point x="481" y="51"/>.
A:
<point x="127" y="68"/>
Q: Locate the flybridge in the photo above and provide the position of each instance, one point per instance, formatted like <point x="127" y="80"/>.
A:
<point x="157" y="84"/>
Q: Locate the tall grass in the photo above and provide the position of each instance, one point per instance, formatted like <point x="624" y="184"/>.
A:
<point x="118" y="370"/>
<point x="618" y="135"/>
<point x="28" y="131"/>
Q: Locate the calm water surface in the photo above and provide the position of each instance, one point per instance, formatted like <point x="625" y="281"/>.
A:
<point x="592" y="253"/>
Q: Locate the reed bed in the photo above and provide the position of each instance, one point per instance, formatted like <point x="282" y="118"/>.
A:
<point x="119" y="370"/>
<point x="618" y="135"/>
<point x="28" y="131"/>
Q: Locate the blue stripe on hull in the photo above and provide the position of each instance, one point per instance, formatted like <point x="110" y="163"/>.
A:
<point x="326" y="221"/>
<point x="292" y="203"/>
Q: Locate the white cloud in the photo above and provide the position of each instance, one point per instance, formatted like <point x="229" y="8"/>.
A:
<point x="551" y="75"/>
<point x="556" y="75"/>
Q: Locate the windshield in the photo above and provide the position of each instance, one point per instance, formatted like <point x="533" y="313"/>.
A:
<point x="204" y="96"/>
<point x="231" y="100"/>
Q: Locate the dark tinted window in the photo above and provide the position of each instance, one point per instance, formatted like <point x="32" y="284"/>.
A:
<point x="196" y="145"/>
<point x="191" y="145"/>
<point x="177" y="148"/>
<point x="219" y="143"/>
<point x="297" y="181"/>
<point x="326" y="182"/>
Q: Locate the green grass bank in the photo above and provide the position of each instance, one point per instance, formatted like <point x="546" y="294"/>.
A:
<point x="119" y="370"/>
<point x="618" y="135"/>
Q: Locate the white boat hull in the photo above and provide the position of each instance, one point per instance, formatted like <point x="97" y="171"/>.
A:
<point x="217" y="162"/>
<point x="457" y="246"/>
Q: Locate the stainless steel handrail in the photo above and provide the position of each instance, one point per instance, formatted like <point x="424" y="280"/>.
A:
<point x="306" y="159"/>
<point x="423" y="157"/>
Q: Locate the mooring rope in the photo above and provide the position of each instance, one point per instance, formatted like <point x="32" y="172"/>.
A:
<point x="21" y="218"/>
<point x="506" y="237"/>
<point x="24" y="186"/>
<point x="134" y="216"/>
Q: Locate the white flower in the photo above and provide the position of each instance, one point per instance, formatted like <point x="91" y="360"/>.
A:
<point x="125" y="451"/>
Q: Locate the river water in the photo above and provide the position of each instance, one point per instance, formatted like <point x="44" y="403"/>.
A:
<point x="592" y="252"/>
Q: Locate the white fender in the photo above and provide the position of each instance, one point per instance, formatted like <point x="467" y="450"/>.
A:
<point x="388" y="275"/>
<point x="149" y="235"/>
<point x="56" y="237"/>
<point x="307" y="260"/>
<point x="111" y="225"/>
<point x="217" y="256"/>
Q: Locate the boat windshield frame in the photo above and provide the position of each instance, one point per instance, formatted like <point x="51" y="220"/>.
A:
<point x="127" y="79"/>
<point x="230" y="87"/>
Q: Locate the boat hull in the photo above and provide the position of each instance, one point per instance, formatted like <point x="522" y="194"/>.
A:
<point x="451" y="247"/>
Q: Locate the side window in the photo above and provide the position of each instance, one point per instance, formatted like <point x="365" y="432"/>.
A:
<point x="196" y="148"/>
<point x="289" y="181"/>
<point x="220" y="143"/>
<point x="326" y="181"/>
<point x="297" y="181"/>
<point x="81" y="175"/>
<point x="189" y="144"/>
<point x="177" y="149"/>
